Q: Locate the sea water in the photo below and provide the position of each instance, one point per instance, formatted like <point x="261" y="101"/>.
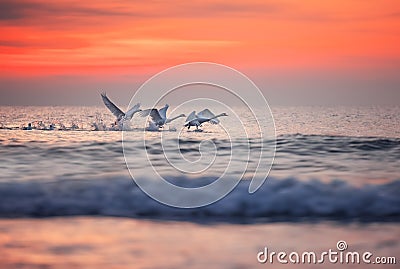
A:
<point x="334" y="162"/>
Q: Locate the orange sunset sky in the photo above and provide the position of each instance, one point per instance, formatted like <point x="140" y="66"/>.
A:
<point x="65" y="52"/>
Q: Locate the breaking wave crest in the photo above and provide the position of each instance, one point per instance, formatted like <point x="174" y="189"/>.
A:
<point x="278" y="199"/>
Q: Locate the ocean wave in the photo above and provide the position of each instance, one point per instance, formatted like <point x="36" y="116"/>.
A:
<point x="298" y="144"/>
<point x="337" y="144"/>
<point x="278" y="199"/>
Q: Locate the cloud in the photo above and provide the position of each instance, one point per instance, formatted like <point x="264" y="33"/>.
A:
<point x="16" y="11"/>
<point x="46" y="12"/>
<point x="259" y="33"/>
<point x="27" y="9"/>
<point x="12" y="43"/>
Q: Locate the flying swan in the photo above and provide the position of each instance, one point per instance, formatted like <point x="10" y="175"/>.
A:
<point x="121" y="117"/>
<point x="203" y="116"/>
<point x="159" y="116"/>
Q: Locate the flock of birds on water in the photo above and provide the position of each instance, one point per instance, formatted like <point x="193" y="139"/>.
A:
<point x="157" y="118"/>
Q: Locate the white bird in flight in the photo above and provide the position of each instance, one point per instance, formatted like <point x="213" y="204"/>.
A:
<point x="159" y="116"/>
<point x="118" y="113"/>
<point x="203" y="116"/>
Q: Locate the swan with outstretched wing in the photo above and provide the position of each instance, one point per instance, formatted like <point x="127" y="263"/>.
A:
<point x="159" y="116"/>
<point x="117" y="112"/>
<point x="203" y="116"/>
<point x="207" y="114"/>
